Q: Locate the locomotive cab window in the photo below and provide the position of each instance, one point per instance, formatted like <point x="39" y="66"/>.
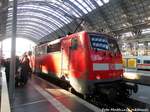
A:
<point x="102" y="42"/>
<point x="98" y="42"/>
<point x="113" y="46"/>
<point x="74" y="43"/>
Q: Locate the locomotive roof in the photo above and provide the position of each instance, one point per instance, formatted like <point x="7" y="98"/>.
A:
<point x="58" y="40"/>
<point x="54" y="41"/>
<point x="108" y="36"/>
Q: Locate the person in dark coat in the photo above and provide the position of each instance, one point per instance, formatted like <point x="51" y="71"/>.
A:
<point x="17" y="75"/>
<point x="7" y="69"/>
<point x="25" y="69"/>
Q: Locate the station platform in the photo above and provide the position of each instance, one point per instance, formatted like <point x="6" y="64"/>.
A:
<point x="137" y="76"/>
<point x="4" y="97"/>
<point x="41" y="96"/>
<point x="38" y="95"/>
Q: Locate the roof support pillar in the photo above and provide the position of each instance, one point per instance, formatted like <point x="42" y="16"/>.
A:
<point x="1" y="53"/>
<point x="146" y="48"/>
<point x="13" y="54"/>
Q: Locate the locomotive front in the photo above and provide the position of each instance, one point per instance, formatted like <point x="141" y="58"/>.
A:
<point x="106" y="58"/>
<point x="105" y="67"/>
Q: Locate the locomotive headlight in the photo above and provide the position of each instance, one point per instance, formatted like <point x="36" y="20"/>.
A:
<point x="131" y="76"/>
<point x="98" y="77"/>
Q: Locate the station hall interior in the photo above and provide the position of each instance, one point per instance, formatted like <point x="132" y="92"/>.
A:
<point x="84" y="55"/>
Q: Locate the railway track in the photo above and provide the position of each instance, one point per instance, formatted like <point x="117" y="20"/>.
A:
<point x="127" y="105"/>
<point x="135" y="105"/>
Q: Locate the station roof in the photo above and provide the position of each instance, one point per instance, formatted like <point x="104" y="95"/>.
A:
<point x="39" y="19"/>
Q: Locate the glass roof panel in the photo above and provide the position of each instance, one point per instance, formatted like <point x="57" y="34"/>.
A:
<point x="49" y="11"/>
<point x="19" y="26"/>
<point x="146" y="31"/>
<point x="99" y="2"/>
<point x="75" y="2"/>
<point x="32" y="31"/>
<point x="50" y="14"/>
<point x="67" y="8"/>
<point x="85" y="5"/>
<point x="40" y="13"/>
<point x="106" y="1"/>
<point x="27" y="11"/>
<point x="29" y="34"/>
<point x="31" y="20"/>
<point x="53" y="20"/>
<point x="90" y="4"/>
<point x="73" y="7"/>
<point x="46" y="29"/>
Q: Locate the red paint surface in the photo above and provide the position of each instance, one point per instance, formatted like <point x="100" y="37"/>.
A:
<point x="79" y="63"/>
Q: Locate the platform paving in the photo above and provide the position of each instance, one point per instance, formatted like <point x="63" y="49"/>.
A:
<point x="41" y="96"/>
<point x="27" y="99"/>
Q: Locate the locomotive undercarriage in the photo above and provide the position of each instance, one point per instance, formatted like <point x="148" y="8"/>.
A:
<point x="110" y="90"/>
<point x="114" y="90"/>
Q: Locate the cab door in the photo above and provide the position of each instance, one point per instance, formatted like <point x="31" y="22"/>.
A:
<point x="65" y="57"/>
<point x="74" y="55"/>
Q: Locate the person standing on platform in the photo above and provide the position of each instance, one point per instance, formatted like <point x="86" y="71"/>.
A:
<point x="17" y="75"/>
<point x="25" y="69"/>
<point x="7" y="68"/>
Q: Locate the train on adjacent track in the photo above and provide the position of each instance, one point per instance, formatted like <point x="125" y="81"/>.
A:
<point x="90" y="62"/>
<point x="137" y="62"/>
<point x="143" y="62"/>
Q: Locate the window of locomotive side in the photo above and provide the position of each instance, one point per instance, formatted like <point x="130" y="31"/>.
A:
<point x="42" y="50"/>
<point x="54" y="48"/>
<point x="36" y="51"/>
<point x="98" y="42"/>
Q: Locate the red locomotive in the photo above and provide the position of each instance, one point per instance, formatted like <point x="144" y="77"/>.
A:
<point x="90" y="62"/>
